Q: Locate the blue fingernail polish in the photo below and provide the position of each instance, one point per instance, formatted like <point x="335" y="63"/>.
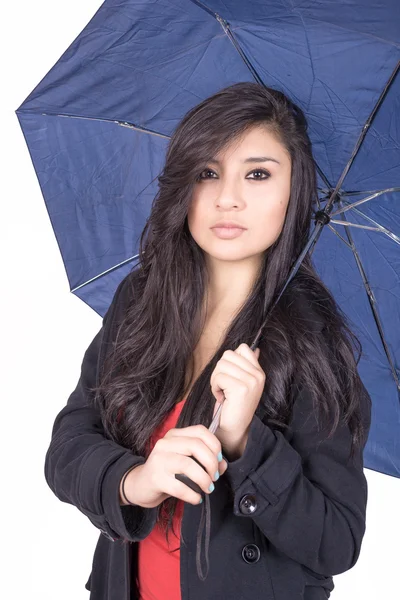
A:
<point x="212" y="487"/>
<point x="216" y="476"/>
<point x="219" y="456"/>
<point x="201" y="500"/>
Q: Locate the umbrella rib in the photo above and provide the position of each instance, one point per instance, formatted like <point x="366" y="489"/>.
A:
<point x="373" y="303"/>
<point x="371" y="197"/>
<point x="379" y="227"/>
<point x="348" y="224"/>
<point x="120" y="123"/>
<point x="339" y="236"/>
<point x="353" y="192"/>
<point x="362" y="135"/>
<point x="124" y="262"/>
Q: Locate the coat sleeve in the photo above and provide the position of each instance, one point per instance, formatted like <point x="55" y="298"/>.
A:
<point x="304" y="495"/>
<point x="84" y="468"/>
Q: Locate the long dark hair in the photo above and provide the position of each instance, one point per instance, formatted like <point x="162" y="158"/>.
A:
<point x="144" y="376"/>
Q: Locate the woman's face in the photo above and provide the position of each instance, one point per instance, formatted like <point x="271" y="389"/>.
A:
<point x="254" y="194"/>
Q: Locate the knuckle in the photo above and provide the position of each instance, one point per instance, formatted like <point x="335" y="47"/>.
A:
<point x="180" y="490"/>
<point x="254" y="381"/>
<point x="217" y="446"/>
<point x="159" y="444"/>
<point x="214" y="445"/>
<point x="201" y="428"/>
<point x="184" y="461"/>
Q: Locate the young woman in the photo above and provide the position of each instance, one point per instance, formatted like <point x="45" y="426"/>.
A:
<point x="288" y="505"/>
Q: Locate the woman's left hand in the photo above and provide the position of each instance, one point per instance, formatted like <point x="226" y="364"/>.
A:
<point x="239" y="377"/>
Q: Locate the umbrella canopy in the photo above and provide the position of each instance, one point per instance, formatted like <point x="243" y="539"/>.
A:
<point x="98" y="124"/>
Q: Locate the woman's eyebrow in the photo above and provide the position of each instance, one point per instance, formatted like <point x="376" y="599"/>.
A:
<point x="251" y="159"/>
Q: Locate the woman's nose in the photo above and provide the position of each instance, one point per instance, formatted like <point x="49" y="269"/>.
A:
<point x="229" y="196"/>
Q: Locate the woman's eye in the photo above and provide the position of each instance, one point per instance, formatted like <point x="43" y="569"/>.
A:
<point x="205" y="171"/>
<point x="262" y="171"/>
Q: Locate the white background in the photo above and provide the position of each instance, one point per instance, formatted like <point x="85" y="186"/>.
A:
<point x="47" y="545"/>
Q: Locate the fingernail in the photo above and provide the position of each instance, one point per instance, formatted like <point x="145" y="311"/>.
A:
<point x="212" y="487"/>
<point x="219" y="456"/>
<point x="216" y="476"/>
<point x="201" y="500"/>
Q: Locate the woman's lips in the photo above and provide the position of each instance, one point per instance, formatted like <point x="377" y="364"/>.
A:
<point x="227" y="233"/>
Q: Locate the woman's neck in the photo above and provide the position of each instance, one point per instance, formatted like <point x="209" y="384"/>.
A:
<point x="229" y="285"/>
<point x="219" y="308"/>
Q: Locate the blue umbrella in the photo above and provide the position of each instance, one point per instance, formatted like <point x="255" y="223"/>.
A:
<point x="98" y="124"/>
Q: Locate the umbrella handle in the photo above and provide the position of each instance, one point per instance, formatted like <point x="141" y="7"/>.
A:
<point x="184" y="478"/>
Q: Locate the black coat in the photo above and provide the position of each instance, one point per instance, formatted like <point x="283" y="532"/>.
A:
<point x="297" y="519"/>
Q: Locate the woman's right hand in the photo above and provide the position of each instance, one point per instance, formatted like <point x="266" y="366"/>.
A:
<point x="152" y="482"/>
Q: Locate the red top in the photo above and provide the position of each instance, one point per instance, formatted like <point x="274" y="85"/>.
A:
<point x="158" y="575"/>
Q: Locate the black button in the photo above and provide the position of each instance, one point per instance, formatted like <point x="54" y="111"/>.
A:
<point x="248" y="504"/>
<point x="107" y="535"/>
<point x="251" y="553"/>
